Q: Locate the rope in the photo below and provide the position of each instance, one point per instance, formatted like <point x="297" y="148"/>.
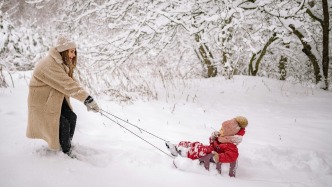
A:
<point x="103" y="114"/>
<point x="133" y="125"/>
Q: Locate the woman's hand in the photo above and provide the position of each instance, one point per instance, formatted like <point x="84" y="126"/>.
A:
<point x="91" y="104"/>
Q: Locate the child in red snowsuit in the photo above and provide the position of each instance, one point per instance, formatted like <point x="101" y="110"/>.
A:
<point x="223" y="143"/>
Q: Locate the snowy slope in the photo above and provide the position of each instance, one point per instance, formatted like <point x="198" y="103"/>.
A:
<point x="287" y="142"/>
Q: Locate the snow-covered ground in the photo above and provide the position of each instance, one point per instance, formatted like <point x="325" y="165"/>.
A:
<point x="287" y="143"/>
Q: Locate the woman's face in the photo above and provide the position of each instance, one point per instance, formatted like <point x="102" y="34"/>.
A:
<point x="71" y="54"/>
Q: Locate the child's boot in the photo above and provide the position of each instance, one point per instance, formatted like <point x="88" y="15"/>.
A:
<point x="172" y="148"/>
<point x="232" y="168"/>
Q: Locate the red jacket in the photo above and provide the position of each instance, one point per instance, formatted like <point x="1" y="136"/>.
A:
<point x="228" y="152"/>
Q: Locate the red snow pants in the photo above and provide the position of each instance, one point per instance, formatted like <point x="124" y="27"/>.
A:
<point x="196" y="149"/>
<point x="228" y="152"/>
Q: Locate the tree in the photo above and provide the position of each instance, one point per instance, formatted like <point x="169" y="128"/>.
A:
<point x="326" y="29"/>
<point x="300" y="17"/>
<point x="261" y="53"/>
<point x="190" y="38"/>
<point x="20" y="47"/>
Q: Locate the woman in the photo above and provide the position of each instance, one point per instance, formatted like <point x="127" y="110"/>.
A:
<point x="50" y="114"/>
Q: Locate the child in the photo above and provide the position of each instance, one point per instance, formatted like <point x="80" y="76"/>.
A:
<point x="223" y="143"/>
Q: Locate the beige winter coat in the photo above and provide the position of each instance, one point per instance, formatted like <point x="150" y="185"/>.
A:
<point x="49" y="85"/>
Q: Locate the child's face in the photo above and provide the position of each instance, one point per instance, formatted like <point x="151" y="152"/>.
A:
<point x="221" y="132"/>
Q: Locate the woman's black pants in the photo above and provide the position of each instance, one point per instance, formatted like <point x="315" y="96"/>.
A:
<point x="67" y="126"/>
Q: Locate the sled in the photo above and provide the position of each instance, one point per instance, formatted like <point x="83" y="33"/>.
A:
<point x="207" y="159"/>
<point x="195" y="166"/>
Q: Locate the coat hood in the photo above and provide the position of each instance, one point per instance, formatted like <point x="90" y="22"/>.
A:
<point x="56" y="55"/>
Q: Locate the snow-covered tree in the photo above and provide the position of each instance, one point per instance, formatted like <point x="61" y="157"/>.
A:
<point x="129" y="41"/>
<point x="20" y="46"/>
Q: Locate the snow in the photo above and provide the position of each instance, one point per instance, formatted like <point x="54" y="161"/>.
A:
<point x="287" y="142"/>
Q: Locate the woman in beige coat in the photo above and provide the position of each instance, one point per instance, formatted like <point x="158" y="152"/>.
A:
<point x="50" y="114"/>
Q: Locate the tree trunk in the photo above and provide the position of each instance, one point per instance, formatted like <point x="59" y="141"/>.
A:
<point x="307" y="50"/>
<point x="261" y="53"/>
<point x="325" y="60"/>
<point x="226" y="51"/>
<point x="283" y="64"/>
<point x="3" y="82"/>
<point x="282" y="68"/>
<point x="251" y="71"/>
<point x="206" y="57"/>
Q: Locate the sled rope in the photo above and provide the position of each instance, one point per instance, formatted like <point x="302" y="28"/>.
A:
<point x="132" y="125"/>
<point x="103" y="114"/>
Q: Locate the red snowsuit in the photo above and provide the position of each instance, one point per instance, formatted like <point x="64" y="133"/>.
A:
<point x="228" y="151"/>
